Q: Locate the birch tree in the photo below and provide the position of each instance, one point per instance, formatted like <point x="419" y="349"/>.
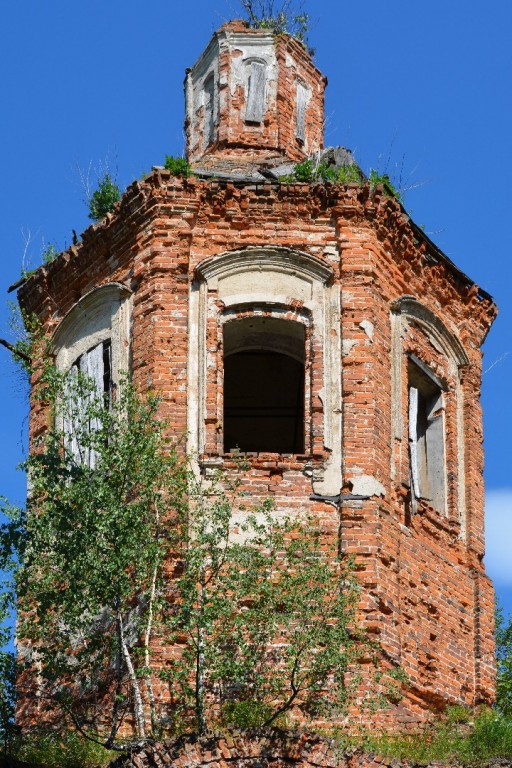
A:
<point x="91" y="547"/>
<point x="132" y="552"/>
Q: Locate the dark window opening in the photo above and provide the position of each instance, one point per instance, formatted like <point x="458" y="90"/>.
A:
<point x="264" y="376"/>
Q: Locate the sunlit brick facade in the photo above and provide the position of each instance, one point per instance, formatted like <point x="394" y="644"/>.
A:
<point x="233" y="271"/>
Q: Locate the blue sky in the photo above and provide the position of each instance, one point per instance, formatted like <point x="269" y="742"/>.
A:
<point x="421" y="91"/>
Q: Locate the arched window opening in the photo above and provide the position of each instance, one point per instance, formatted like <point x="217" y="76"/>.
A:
<point x="264" y="373"/>
<point x="93" y="339"/>
<point x="426" y="434"/>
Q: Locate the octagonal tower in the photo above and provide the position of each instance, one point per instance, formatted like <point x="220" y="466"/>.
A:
<point x="320" y="331"/>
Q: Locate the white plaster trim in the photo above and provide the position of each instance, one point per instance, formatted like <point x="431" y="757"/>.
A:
<point x="283" y="260"/>
<point x="275" y="264"/>
<point x="411" y="308"/>
<point x="368" y="328"/>
<point x="104" y="313"/>
<point x="461" y="455"/>
<point x="406" y="309"/>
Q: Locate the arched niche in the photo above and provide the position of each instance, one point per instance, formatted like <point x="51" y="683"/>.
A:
<point x="267" y="279"/>
<point x="409" y="311"/>
<point x="99" y="316"/>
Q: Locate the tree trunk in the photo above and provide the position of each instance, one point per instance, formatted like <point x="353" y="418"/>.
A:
<point x="138" y="705"/>
<point x="200" y="714"/>
<point x="147" y="638"/>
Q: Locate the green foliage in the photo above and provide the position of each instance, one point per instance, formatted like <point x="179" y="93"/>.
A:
<point x="66" y="749"/>
<point x="260" y="611"/>
<point x="304" y="172"/>
<point x="347" y="174"/>
<point x="49" y="254"/>
<point x="504" y="663"/>
<point x="309" y="172"/>
<point x="488" y="737"/>
<point x="104" y="199"/>
<point x="248" y="713"/>
<point x="28" y="335"/>
<point x="382" y="178"/>
<point x="285" y="17"/>
<point x="90" y="548"/>
<point x="7" y="663"/>
<point x="458" y="714"/>
<point x="265" y="619"/>
<point x="178" y="166"/>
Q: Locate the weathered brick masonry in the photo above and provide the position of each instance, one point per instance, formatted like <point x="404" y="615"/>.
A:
<point x="374" y="303"/>
<point x="265" y="749"/>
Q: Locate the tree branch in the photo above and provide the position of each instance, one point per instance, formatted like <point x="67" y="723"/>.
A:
<point x="15" y="351"/>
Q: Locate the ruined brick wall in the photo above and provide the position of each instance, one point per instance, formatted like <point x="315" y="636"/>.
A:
<point x="219" y="126"/>
<point x="425" y="593"/>
<point x="272" y="749"/>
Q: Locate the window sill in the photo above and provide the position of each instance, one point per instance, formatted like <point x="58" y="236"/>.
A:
<point x="262" y="460"/>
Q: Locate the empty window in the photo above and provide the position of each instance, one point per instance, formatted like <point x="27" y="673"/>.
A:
<point x="255" y="108"/>
<point x="426" y="435"/>
<point x="264" y="375"/>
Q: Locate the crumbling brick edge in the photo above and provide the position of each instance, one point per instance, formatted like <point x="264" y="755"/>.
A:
<point x="258" y="748"/>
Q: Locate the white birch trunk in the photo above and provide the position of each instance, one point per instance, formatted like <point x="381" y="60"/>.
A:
<point x="139" y="706"/>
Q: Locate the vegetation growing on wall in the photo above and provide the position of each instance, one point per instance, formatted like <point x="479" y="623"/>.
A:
<point x="104" y="198"/>
<point x="312" y="171"/>
<point x="280" y="16"/>
<point x="178" y="166"/>
<point x="461" y="737"/>
<point x="504" y="663"/>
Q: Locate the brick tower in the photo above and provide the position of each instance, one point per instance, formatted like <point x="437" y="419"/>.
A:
<point x="317" y="328"/>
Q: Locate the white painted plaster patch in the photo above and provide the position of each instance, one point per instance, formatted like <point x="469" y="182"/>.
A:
<point x="347" y="346"/>
<point x="368" y="328"/>
<point x="367" y="485"/>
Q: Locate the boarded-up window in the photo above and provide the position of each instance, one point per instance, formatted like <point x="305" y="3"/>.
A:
<point x="96" y="365"/>
<point x="426" y="436"/>
<point x="209" y="111"/>
<point x="302" y="102"/>
<point x="255" y="108"/>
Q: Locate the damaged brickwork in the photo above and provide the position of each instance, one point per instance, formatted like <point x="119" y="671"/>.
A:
<point x="270" y="749"/>
<point x="374" y="307"/>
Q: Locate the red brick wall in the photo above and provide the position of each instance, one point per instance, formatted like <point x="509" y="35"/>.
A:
<point x="272" y="749"/>
<point x="276" y="135"/>
<point x="425" y="593"/>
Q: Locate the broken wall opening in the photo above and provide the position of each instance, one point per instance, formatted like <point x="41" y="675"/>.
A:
<point x="264" y="373"/>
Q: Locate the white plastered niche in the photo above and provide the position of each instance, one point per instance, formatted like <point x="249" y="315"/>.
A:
<point x="273" y="277"/>
<point x="409" y="310"/>
<point x="103" y="314"/>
